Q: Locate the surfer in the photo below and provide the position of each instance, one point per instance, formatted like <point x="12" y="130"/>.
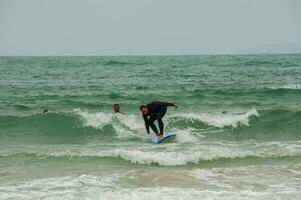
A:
<point x="155" y="111"/>
<point x="116" y="108"/>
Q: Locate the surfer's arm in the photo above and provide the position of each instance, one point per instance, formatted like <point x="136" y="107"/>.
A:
<point x="168" y="104"/>
<point x="146" y="123"/>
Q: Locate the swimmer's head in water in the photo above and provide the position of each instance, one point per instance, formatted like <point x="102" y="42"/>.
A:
<point x="116" y="108"/>
<point x="143" y="109"/>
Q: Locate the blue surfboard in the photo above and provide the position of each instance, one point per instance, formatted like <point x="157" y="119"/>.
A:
<point x="170" y="137"/>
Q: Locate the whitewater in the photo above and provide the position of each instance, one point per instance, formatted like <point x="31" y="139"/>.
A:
<point x="237" y="124"/>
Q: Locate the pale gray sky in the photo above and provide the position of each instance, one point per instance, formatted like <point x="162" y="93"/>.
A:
<point x="135" y="27"/>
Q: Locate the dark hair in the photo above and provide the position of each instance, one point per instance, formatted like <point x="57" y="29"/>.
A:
<point x="142" y="106"/>
<point x="116" y="104"/>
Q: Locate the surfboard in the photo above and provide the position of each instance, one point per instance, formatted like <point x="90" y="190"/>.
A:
<point x="169" y="137"/>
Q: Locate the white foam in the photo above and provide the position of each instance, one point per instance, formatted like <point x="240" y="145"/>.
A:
<point x="174" y="155"/>
<point x="127" y="126"/>
<point x="90" y="187"/>
<point x="187" y="136"/>
<point x="222" y="120"/>
<point x="296" y="86"/>
<point x="108" y="187"/>
<point x="124" y="125"/>
<point x="56" y="188"/>
<point x="170" y="154"/>
<point x="270" y="180"/>
<point x="97" y="120"/>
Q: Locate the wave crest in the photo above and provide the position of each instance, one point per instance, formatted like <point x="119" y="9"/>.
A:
<point x="124" y="125"/>
<point x="221" y="120"/>
<point x="292" y="86"/>
<point x="169" y="155"/>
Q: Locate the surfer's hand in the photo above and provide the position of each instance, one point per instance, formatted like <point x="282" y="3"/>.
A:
<point x="175" y="105"/>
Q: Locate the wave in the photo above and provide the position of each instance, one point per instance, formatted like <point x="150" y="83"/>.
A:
<point x="81" y="126"/>
<point x="217" y="183"/>
<point x="125" y="126"/>
<point x="99" y="120"/>
<point x="70" y="127"/>
<point x="67" y="187"/>
<point x="86" y="186"/>
<point x="290" y="86"/>
<point x="273" y="124"/>
<point x="50" y="128"/>
<point x="176" y="155"/>
<point x="219" y="120"/>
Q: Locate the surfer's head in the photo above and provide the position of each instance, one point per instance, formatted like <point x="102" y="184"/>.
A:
<point x="143" y="109"/>
<point x="116" y="108"/>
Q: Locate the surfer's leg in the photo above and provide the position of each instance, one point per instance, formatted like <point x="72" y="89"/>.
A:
<point x="160" y="117"/>
<point x="152" y="125"/>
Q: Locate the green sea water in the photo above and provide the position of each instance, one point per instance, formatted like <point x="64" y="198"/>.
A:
<point x="81" y="150"/>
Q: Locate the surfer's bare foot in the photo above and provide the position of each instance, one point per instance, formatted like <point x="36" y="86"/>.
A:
<point x="160" y="136"/>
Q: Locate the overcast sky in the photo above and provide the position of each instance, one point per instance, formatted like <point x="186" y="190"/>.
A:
<point x="148" y="27"/>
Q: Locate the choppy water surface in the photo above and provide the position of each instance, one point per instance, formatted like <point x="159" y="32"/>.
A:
<point x="81" y="150"/>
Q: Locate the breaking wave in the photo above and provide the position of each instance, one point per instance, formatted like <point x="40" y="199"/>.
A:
<point x="169" y="155"/>
<point x="220" y="120"/>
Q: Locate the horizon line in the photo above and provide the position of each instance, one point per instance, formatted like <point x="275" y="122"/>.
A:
<point x="149" y="55"/>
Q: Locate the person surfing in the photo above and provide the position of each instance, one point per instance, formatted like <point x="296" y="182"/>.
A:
<point x="155" y="111"/>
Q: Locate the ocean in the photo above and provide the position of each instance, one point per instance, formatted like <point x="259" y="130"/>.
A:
<point x="238" y="126"/>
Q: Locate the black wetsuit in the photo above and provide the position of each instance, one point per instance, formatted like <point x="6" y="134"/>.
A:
<point x="156" y="111"/>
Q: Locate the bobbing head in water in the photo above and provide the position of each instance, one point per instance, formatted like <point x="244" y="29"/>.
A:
<point x="144" y="109"/>
<point x="116" y="108"/>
